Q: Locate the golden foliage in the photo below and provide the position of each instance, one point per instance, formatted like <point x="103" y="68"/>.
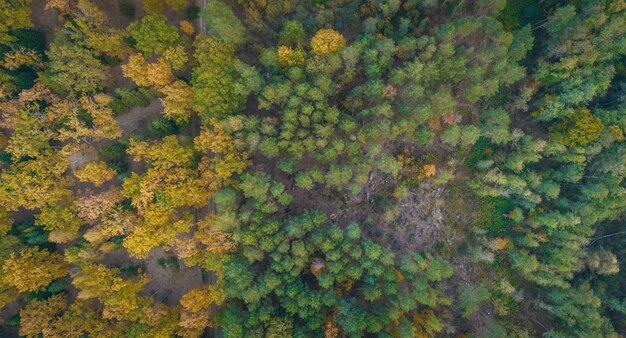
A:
<point x="500" y="244"/>
<point x="92" y="207"/>
<point x="187" y="27"/>
<point x="196" y="306"/>
<point x="113" y="225"/>
<point x="227" y="161"/>
<point x="579" y="129"/>
<point x="17" y="58"/>
<point x="153" y="233"/>
<point x="143" y="73"/>
<point x="327" y="41"/>
<point x="39" y="316"/>
<point x="206" y="246"/>
<point x="288" y="57"/>
<point x="66" y="117"/>
<point x="429" y="170"/>
<point x="34" y="183"/>
<point x="33" y="269"/>
<point x="119" y="296"/>
<point x="62" y="220"/>
<point x="177" y="101"/>
<point x="331" y="329"/>
<point x="96" y="172"/>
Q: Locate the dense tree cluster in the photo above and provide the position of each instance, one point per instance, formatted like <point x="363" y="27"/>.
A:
<point x="339" y="168"/>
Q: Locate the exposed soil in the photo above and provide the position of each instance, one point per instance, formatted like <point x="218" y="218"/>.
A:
<point x="44" y="20"/>
<point x="139" y="118"/>
<point x="420" y="221"/>
<point x="168" y="284"/>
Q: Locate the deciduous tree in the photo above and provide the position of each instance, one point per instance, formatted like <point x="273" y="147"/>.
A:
<point x="33" y="269"/>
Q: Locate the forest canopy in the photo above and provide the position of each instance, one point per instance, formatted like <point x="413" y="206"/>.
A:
<point x="312" y="168"/>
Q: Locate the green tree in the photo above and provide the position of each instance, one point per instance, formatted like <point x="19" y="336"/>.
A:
<point x="152" y="34"/>
<point x="222" y="23"/>
<point x="14" y="14"/>
<point x="74" y="69"/>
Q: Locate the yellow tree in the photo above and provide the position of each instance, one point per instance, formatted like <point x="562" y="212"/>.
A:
<point x="40" y="316"/>
<point x="169" y="178"/>
<point x="177" y="100"/>
<point x="61" y="220"/>
<point x="158" y="229"/>
<point x="92" y="207"/>
<point x="208" y="247"/>
<point x="187" y="27"/>
<point x="327" y="41"/>
<point x="162" y="320"/>
<point x="96" y="172"/>
<point x="120" y="297"/>
<point x="33" y="269"/>
<point x="226" y="159"/>
<point x="90" y="116"/>
<point x="147" y="74"/>
<point x="82" y="318"/>
<point x="288" y="56"/>
<point x="169" y="184"/>
<point x="22" y="57"/>
<point x="195" y="305"/>
<point x="35" y="183"/>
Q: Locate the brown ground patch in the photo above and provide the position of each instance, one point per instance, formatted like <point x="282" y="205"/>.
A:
<point x="168" y="285"/>
<point x="44" y="20"/>
<point x="139" y="118"/>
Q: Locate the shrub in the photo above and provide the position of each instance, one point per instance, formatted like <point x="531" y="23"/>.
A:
<point x="127" y="10"/>
<point x="193" y="12"/>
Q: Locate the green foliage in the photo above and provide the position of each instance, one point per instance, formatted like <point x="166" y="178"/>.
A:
<point x="292" y="34"/>
<point x="152" y="34"/>
<point x="163" y="126"/>
<point x="309" y="259"/>
<point x="127" y="98"/>
<point x="221" y="83"/>
<point x="470" y="298"/>
<point x="127" y="10"/>
<point x="74" y="69"/>
<point x="365" y="109"/>
<point x="193" y="12"/>
<point x="222" y="23"/>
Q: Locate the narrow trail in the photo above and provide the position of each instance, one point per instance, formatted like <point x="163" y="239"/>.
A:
<point x="211" y="278"/>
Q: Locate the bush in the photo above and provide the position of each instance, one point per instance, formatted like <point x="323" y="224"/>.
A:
<point x="30" y="39"/>
<point x="25" y="79"/>
<point x="126" y="98"/>
<point x="127" y="10"/>
<point x="169" y="262"/>
<point x="114" y="151"/>
<point x="162" y="126"/>
<point x="5" y="157"/>
<point x="193" y="12"/>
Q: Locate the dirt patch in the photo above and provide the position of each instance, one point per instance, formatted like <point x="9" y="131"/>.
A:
<point x="45" y="20"/>
<point x="139" y="118"/>
<point x="169" y="284"/>
<point x="420" y="220"/>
